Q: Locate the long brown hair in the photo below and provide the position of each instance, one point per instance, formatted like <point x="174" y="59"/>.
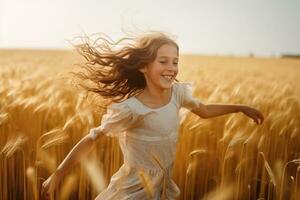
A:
<point x="114" y="72"/>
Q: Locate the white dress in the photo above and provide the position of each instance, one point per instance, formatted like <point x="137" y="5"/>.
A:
<point x="147" y="138"/>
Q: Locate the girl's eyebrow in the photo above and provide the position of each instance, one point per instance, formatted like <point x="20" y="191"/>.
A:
<point x="166" y="57"/>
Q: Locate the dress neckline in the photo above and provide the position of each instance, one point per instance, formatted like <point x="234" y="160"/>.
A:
<point x="171" y="98"/>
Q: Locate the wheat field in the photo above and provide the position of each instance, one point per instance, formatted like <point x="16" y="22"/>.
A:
<point x="43" y="115"/>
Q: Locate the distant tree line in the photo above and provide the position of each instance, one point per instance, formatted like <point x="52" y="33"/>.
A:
<point x="290" y="56"/>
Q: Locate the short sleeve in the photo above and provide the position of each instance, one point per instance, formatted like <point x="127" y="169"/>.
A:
<point x="118" y="118"/>
<point x="185" y="96"/>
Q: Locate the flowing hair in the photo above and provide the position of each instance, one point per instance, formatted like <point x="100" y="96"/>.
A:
<point x="114" y="72"/>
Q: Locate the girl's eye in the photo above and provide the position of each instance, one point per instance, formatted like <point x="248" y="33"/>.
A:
<point x="163" y="62"/>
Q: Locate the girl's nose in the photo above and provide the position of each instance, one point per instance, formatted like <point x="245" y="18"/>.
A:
<point x="172" y="67"/>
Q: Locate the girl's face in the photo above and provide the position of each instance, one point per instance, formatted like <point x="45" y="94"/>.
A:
<point x="163" y="70"/>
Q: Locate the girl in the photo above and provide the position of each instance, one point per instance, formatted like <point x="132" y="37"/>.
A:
<point x="140" y="80"/>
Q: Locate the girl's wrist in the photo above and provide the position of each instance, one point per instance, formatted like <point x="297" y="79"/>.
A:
<point x="242" y="108"/>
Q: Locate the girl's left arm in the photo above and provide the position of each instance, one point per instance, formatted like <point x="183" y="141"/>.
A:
<point x="214" y="110"/>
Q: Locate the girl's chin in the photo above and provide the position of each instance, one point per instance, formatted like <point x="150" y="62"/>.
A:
<point x="166" y="82"/>
<point x="166" y="85"/>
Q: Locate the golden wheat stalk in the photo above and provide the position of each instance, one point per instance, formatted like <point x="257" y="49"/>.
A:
<point x="31" y="174"/>
<point x="95" y="174"/>
<point x="147" y="183"/>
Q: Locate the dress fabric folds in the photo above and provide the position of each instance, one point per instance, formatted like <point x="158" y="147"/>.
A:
<point x="147" y="138"/>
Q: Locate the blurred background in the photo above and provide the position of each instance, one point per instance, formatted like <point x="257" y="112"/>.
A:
<point x="234" y="27"/>
<point x="234" y="51"/>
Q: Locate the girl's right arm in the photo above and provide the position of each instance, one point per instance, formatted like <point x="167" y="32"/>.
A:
<point x="82" y="148"/>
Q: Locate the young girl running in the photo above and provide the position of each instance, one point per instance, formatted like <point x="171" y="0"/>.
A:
<point x="140" y="80"/>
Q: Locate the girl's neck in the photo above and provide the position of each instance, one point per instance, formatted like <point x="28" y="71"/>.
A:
<point x="151" y="95"/>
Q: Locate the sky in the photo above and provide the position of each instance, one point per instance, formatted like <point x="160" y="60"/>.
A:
<point x="223" y="27"/>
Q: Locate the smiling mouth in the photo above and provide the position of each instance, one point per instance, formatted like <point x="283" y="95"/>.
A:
<point x="168" y="78"/>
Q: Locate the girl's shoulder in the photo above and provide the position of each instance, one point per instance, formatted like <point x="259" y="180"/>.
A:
<point x="184" y="85"/>
<point x="183" y="88"/>
<point x="180" y="92"/>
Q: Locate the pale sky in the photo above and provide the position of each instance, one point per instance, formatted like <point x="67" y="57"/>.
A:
<point x="224" y="27"/>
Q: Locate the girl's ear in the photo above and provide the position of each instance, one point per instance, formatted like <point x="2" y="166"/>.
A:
<point x="143" y="69"/>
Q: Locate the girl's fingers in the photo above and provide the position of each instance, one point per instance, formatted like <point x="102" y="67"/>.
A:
<point x="45" y="192"/>
<point x="44" y="189"/>
<point x="260" y="120"/>
<point x="261" y="117"/>
<point x="256" y="115"/>
<point x="257" y="119"/>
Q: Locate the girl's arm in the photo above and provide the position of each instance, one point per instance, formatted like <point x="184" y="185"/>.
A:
<point x="214" y="110"/>
<point x="82" y="148"/>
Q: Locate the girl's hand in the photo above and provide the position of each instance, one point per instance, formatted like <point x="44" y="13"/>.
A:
<point x="256" y="115"/>
<point x="49" y="185"/>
